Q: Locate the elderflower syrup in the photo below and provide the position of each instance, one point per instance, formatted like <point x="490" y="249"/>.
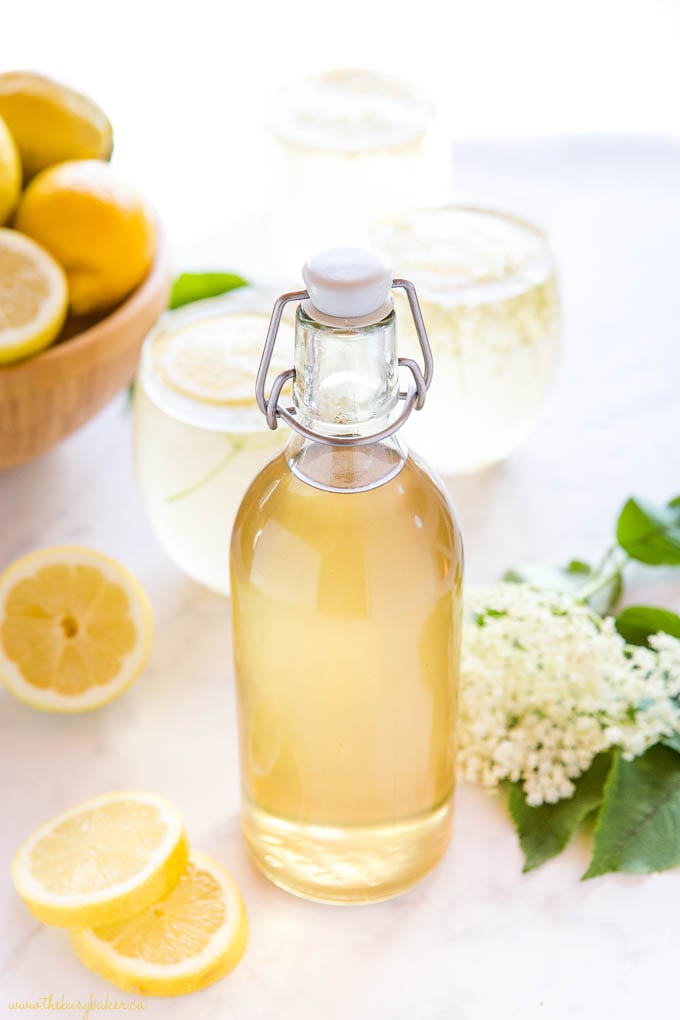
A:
<point x="356" y="135"/>
<point x="490" y="299"/>
<point x="199" y="437"/>
<point x="346" y="563"/>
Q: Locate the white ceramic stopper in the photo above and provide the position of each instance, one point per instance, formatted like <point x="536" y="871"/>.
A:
<point x="348" y="283"/>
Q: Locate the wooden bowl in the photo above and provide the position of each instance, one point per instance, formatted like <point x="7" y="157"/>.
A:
<point x="49" y="396"/>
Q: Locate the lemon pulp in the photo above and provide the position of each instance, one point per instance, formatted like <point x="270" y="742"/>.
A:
<point x="33" y="297"/>
<point x="75" y="628"/>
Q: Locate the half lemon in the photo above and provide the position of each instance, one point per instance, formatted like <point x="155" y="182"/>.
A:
<point x="75" y="629"/>
<point x="33" y="296"/>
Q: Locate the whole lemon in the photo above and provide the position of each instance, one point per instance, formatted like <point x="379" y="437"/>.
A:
<point x="95" y="225"/>
<point x="10" y="173"/>
<point x="51" y="122"/>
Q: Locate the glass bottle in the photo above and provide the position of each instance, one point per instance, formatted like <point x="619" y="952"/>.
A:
<point x="346" y="574"/>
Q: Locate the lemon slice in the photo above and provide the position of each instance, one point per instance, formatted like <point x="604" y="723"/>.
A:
<point x="215" y="359"/>
<point x="50" y="122"/>
<point x="186" y="941"/>
<point x="75" y="629"/>
<point x="33" y="296"/>
<point x="103" y="860"/>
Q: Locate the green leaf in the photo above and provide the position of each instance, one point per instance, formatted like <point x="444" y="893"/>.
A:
<point x="650" y="533"/>
<point x="636" y="623"/>
<point x="544" y="831"/>
<point x="570" y="579"/>
<point x="190" y="287"/>
<point x="672" y="741"/>
<point x="638" y="830"/>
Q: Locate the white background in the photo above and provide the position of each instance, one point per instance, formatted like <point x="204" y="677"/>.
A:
<point x="186" y="84"/>
<point x="186" y="88"/>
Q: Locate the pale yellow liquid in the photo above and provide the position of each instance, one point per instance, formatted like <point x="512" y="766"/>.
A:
<point x="490" y="300"/>
<point x="346" y="635"/>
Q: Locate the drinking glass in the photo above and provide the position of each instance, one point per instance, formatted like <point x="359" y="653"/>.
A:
<point x="199" y="436"/>
<point x="350" y="146"/>
<point x="490" y="300"/>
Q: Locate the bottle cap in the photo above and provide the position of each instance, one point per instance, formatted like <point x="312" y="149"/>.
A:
<point x="348" y="283"/>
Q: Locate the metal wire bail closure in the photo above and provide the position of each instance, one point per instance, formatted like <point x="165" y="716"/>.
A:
<point x="413" y="397"/>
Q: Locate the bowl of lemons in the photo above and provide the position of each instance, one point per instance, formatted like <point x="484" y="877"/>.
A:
<point x="84" y="269"/>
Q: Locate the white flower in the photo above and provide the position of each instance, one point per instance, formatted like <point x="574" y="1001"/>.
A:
<point x="546" y="684"/>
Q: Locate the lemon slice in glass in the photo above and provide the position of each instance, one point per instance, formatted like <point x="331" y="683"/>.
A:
<point x="103" y="860"/>
<point x="214" y="359"/>
<point x="75" y="629"/>
<point x="186" y="941"/>
<point x="33" y="296"/>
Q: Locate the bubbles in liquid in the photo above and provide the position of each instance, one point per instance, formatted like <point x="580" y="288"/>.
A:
<point x="489" y="296"/>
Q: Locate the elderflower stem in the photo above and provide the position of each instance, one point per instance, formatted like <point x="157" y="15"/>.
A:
<point x="605" y="573"/>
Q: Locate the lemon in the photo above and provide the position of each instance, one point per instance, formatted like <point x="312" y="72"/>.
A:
<point x="75" y="629"/>
<point x="101" y="861"/>
<point x="95" y="225"/>
<point x="52" y="123"/>
<point x="214" y="358"/>
<point x="33" y="297"/>
<point x="10" y="173"/>
<point x="188" y="940"/>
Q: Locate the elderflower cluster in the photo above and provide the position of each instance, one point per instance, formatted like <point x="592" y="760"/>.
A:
<point x="546" y="684"/>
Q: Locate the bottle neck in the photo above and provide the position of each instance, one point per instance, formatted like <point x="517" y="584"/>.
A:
<point x="346" y="384"/>
<point x="346" y="375"/>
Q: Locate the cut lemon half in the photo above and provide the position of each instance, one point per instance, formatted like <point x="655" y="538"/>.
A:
<point x="33" y="296"/>
<point x="215" y="358"/>
<point x="186" y="941"/>
<point x="75" y="629"/>
<point x="101" y="861"/>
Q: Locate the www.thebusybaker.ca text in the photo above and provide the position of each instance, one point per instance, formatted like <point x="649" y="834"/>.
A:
<point x="85" y="1007"/>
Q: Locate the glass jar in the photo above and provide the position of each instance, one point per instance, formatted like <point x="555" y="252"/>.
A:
<point x="199" y="437"/>
<point x="349" y="147"/>
<point x="490" y="299"/>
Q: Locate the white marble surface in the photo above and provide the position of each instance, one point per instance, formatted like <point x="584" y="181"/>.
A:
<point x="476" y="940"/>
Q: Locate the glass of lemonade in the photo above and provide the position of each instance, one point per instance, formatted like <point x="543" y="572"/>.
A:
<point x="350" y="147"/>
<point x="490" y="300"/>
<point x="199" y="436"/>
